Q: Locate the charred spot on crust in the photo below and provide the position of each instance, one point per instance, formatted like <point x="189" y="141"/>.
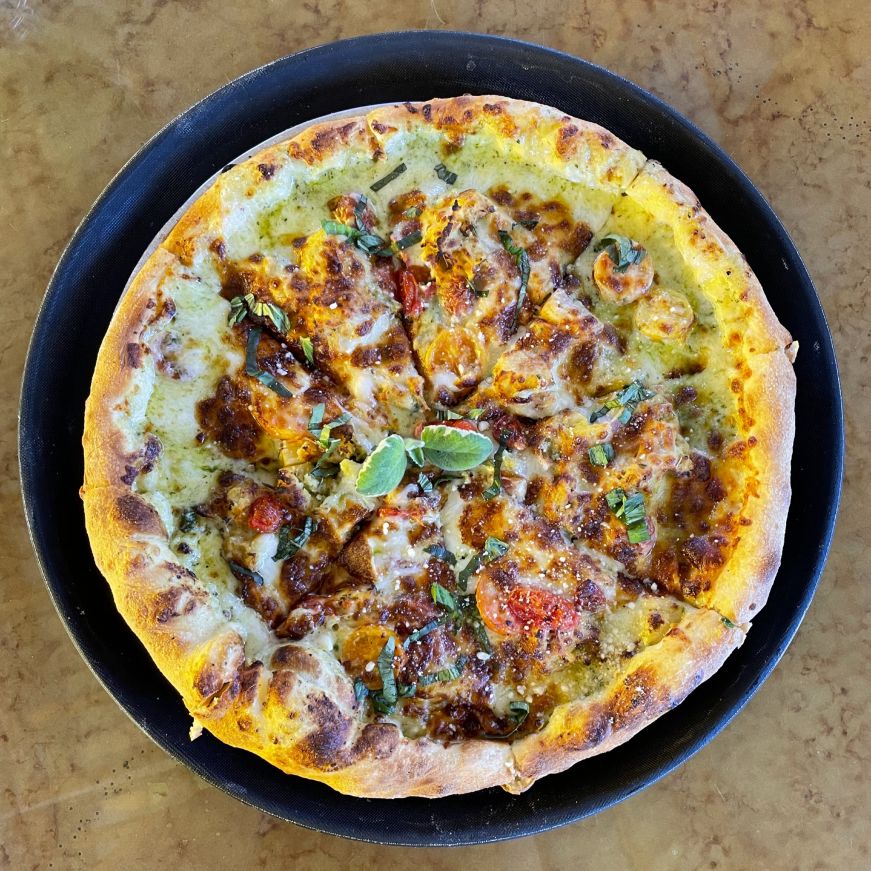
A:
<point x="296" y="659"/>
<point x="267" y="170"/>
<point x="137" y="515"/>
<point x="322" y="747"/>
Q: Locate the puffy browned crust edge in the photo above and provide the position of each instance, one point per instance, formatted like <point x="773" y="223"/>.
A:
<point x="294" y="711"/>
<point x="653" y="682"/>
<point x="763" y="381"/>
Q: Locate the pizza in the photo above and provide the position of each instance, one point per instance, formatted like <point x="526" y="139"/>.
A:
<point x="440" y="448"/>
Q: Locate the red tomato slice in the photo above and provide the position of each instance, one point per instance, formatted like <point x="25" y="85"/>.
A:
<point x="265" y="514"/>
<point x="524" y="609"/>
<point x="461" y="424"/>
<point x="409" y="294"/>
<point x="535" y="607"/>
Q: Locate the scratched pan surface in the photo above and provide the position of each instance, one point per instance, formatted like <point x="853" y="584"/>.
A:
<point x="159" y="180"/>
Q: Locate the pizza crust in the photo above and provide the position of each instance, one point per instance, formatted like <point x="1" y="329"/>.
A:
<point x="296" y="708"/>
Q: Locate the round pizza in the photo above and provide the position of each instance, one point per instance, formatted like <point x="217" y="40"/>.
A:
<point x="440" y="448"/>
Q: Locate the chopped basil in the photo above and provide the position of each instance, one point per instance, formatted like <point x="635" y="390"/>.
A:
<point x="472" y="618"/>
<point x="451" y="672"/>
<point x="475" y="413"/>
<point x="246" y="573"/>
<point x="445" y="174"/>
<point x="521" y="258"/>
<point x="496" y="487"/>
<point x="493" y="549"/>
<point x="413" y="212"/>
<point x="240" y="306"/>
<point x="628" y="398"/>
<point x="385" y="669"/>
<point x="423" y="631"/>
<point x="409" y="240"/>
<point x="481" y="294"/>
<point x="447" y="414"/>
<point x="727" y="623"/>
<point x="530" y="223"/>
<point x="317" y="418"/>
<point x="393" y="174"/>
<point x="359" y="208"/>
<point x="287" y="546"/>
<point x="424" y="483"/>
<point x="361" y="691"/>
<point x="367" y="242"/>
<point x="252" y="369"/>
<point x="622" y="251"/>
<point x="629" y="509"/>
<point x="187" y="520"/>
<point x="442" y="596"/>
<point x="518" y="710"/>
<point x="439" y="551"/>
<point x="601" y="454"/>
<point x="455" y="450"/>
<point x="383" y="469"/>
<point x="324" y="467"/>
<point x="308" y="349"/>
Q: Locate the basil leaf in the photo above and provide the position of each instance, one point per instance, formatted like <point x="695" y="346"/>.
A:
<point x="337" y="228"/>
<point x="601" y="454"/>
<point x="359" y="208"/>
<point x="521" y="258"/>
<point x="496" y="487"/>
<point x="423" y="631"/>
<point x="518" y="710"/>
<point x="455" y="450"/>
<point x="361" y="691"/>
<point x="472" y="618"/>
<point x="414" y="449"/>
<point x="287" y="546"/>
<point x="441" y="596"/>
<point x="445" y="174"/>
<point x="622" y="251"/>
<point x="406" y="689"/>
<point x="187" y="520"/>
<point x="441" y="552"/>
<point x="475" y="413"/>
<point x="631" y="511"/>
<point x="308" y="349"/>
<point x="493" y="549"/>
<point x="628" y="397"/>
<point x="638" y="533"/>
<point x="382" y="705"/>
<point x="409" y="240"/>
<point x="393" y="174"/>
<point x="385" y="669"/>
<point x="238" y="311"/>
<point x="317" y="418"/>
<point x="246" y="573"/>
<point x="447" y="414"/>
<point x="252" y="369"/>
<point x="451" y="672"/>
<point x="383" y="468"/>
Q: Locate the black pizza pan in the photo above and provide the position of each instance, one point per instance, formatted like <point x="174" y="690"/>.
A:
<point x="97" y="264"/>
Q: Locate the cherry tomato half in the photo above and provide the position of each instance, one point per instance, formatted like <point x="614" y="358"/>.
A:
<point x="265" y="514"/>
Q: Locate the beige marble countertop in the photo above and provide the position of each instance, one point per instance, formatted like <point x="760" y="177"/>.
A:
<point x="783" y="85"/>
